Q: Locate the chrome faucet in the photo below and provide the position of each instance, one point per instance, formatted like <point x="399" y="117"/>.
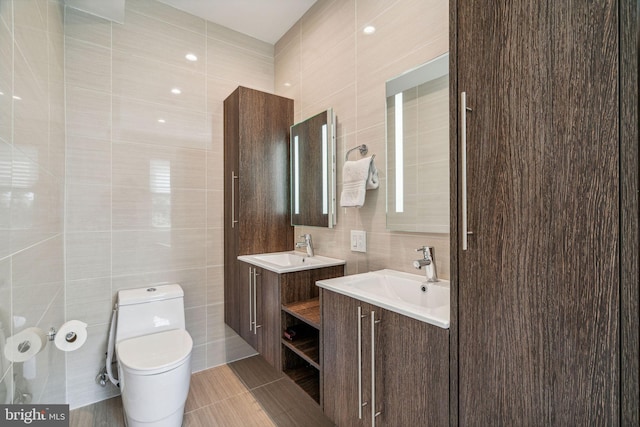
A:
<point x="308" y="243"/>
<point x="428" y="261"/>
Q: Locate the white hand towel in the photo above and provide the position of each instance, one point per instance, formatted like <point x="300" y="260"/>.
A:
<point x="355" y="178"/>
<point x="372" y="180"/>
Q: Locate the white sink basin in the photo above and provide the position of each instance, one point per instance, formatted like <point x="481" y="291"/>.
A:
<point x="287" y="262"/>
<point x="287" y="259"/>
<point x="404" y="293"/>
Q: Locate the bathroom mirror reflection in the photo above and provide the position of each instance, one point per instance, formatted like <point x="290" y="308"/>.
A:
<point x="313" y="171"/>
<point x="418" y="149"/>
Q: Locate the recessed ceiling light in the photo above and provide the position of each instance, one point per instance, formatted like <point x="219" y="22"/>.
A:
<point x="287" y="84"/>
<point x="369" y="29"/>
<point x="191" y="57"/>
<point x="176" y="91"/>
<point x="161" y="121"/>
<point x="1" y="93"/>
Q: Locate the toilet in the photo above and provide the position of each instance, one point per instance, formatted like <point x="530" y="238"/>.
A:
<point x="153" y="350"/>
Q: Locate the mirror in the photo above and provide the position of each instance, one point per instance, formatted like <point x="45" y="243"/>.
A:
<point x="418" y="149"/>
<point x="313" y="171"/>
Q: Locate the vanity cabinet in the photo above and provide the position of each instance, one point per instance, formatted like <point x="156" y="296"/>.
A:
<point x="260" y="311"/>
<point x="256" y="187"/>
<point x="376" y="358"/>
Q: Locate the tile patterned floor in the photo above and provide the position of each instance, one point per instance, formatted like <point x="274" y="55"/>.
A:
<point x="247" y="392"/>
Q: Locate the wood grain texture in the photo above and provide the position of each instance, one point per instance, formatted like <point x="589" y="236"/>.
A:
<point x="630" y="206"/>
<point x="268" y="317"/>
<point x="231" y="250"/>
<point x="308" y="311"/>
<point x="454" y="195"/>
<point x="244" y="305"/>
<point x="256" y="150"/>
<point x="411" y="366"/>
<point x="301" y="285"/>
<point x="537" y="291"/>
<point x="340" y="359"/>
<point x="412" y="371"/>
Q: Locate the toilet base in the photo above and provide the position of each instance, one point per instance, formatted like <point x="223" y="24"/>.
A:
<point x="173" y="420"/>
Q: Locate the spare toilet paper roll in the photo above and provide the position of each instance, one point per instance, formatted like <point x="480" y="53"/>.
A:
<point x="71" y="336"/>
<point x="25" y="344"/>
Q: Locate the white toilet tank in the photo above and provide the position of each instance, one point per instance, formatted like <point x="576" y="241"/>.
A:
<point x="149" y="310"/>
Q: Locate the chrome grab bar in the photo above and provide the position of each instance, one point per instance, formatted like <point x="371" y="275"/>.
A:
<point x="234" y="221"/>
<point x="463" y="149"/>
<point x="374" y="414"/>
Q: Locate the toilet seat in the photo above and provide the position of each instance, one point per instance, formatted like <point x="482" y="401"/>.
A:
<point x="155" y="353"/>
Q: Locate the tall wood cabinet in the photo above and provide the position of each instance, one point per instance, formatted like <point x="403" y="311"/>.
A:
<point x="536" y="296"/>
<point x="256" y="182"/>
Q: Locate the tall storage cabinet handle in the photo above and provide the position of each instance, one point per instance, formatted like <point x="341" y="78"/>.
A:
<point x="463" y="158"/>
<point x="234" y="221"/>
<point x="374" y="414"/>
<point x="255" y="302"/>
<point x="250" y="299"/>
<point x="361" y="404"/>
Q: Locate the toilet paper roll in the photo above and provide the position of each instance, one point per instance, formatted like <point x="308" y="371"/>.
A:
<point x="25" y="344"/>
<point x="71" y="336"/>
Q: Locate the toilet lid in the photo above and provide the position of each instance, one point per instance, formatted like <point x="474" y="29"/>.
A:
<point x="155" y="353"/>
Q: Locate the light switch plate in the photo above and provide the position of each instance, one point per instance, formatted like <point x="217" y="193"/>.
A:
<point x="358" y="241"/>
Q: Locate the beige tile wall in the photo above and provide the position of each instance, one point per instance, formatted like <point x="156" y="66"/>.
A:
<point x="326" y="61"/>
<point x="144" y="198"/>
<point x="138" y="202"/>
<point x="31" y="192"/>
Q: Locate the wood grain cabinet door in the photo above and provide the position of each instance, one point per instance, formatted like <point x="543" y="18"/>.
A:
<point x="268" y="316"/>
<point x="537" y="308"/>
<point x="245" y="310"/>
<point x="340" y="362"/>
<point x="412" y="371"/>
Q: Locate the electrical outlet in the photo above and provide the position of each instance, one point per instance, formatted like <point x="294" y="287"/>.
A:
<point x="358" y="241"/>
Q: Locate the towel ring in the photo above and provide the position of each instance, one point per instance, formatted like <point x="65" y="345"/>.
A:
<point x="363" y="151"/>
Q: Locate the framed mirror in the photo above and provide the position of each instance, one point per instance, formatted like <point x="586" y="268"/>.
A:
<point x="313" y="171"/>
<point x="418" y="149"/>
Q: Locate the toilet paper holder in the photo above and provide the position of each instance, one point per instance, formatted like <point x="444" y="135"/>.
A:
<point x="70" y="337"/>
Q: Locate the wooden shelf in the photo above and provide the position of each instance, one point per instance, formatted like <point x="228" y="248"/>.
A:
<point x="308" y="311"/>
<point x="307" y="348"/>
<point x="308" y="379"/>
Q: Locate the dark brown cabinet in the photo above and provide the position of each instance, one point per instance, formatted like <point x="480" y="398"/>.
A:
<point x="536" y="293"/>
<point x="260" y="311"/>
<point x="256" y="181"/>
<point x="383" y="364"/>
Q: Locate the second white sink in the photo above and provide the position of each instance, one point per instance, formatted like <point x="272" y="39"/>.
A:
<point x="286" y="262"/>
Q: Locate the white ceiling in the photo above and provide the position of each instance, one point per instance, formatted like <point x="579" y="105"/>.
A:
<point x="266" y="20"/>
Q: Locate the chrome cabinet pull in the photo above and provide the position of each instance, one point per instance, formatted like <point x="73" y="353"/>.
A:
<point x="361" y="404"/>
<point x="250" y="299"/>
<point x="233" y="199"/>
<point x="255" y="301"/>
<point x="463" y="149"/>
<point x="374" y="414"/>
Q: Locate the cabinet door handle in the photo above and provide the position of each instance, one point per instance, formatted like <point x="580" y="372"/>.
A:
<point x="463" y="158"/>
<point x="250" y="299"/>
<point x="233" y="199"/>
<point x="255" y="301"/>
<point x="361" y="404"/>
<point x="374" y="414"/>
